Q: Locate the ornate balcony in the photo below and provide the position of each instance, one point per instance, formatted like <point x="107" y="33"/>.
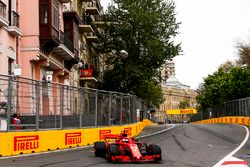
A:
<point x="91" y="8"/>
<point x="91" y="37"/>
<point x="14" y="24"/>
<point x="85" y="26"/>
<point x="99" y="22"/>
<point x="65" y="48"/>
<point x="3" y="20"/>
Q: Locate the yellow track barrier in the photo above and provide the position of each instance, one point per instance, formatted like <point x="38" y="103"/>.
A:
<point x="226" y="120"/>
<point x="16" y="143"/>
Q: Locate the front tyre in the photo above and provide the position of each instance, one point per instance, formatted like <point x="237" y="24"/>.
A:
<point x="100" y="149"/>
<point x="113" y="150"/>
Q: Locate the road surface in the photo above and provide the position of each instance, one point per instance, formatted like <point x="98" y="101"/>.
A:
<point x="186" y="145"/>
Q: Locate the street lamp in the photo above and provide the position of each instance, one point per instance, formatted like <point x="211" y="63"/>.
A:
<point x="244" y="66"/>
<point x="123" y="53"/>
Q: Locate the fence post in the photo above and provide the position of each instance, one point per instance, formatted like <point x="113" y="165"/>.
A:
<point x="121" y="111"/>
<point x="96" y="107"/>
<point x="37" y="104"/>
<point x="129" y="110"/>
<point x="10" y="84"/>
<point x="61" y="106"/>
<point x="110" y="108"/>
<point x="81" y="106"/>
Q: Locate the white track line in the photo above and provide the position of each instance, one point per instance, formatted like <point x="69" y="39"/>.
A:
<point x="236" y="150"/>
<point x="161" y="131"/>
<point x="81" y="147"/>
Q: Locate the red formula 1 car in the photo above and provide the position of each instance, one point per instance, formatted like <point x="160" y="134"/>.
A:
<point x="123" y="148"/>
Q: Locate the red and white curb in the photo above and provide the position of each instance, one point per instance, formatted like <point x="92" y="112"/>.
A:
<point x="234" y="162"/>
<point x="229" y="160"/>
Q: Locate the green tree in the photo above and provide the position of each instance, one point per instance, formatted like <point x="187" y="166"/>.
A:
<point x="244" y="53"/>
<point x="184" y="104"/>
<point x="224" y="85"/>
<point x="145" y="29"/>
<point x="154" y="91"/>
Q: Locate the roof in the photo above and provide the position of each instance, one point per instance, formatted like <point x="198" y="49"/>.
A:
<point x="172" y="81"/>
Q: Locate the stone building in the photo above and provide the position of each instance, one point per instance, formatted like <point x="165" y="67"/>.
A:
<point x="175" y="93"/>
<point x="167" y="70"/>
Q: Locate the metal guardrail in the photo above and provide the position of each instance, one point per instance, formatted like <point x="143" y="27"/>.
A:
<point x="44" y="105"/>
<point x="239" y="107"/>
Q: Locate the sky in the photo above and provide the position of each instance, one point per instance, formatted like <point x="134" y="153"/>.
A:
<point x="208" y="33"/>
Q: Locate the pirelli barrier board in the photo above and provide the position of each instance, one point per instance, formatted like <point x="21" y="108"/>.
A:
<point x="181" y="111"/>
<point x="16" y="143"/>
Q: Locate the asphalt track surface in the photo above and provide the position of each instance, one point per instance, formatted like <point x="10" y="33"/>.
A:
<point x="185" y="145"/>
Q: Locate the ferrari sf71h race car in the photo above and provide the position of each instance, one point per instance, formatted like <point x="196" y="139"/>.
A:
<point x="122" y="148"/>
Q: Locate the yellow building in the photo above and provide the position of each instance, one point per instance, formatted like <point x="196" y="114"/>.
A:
<point x="177" y="96"/>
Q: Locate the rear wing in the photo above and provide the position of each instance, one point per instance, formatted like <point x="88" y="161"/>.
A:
<point x="111" y="136"/>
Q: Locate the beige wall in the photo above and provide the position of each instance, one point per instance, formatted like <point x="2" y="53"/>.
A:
<point x="173" y="96"/>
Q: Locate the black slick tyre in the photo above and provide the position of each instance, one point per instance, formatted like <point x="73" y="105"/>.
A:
<point x="113" y="150"/>
<point x="155" y="150"/>
<point x="100" y="149"/>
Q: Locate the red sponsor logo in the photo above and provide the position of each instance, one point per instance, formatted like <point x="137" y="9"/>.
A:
<point x="231" y="120"/>
<point x="128" y="131"/>
<point x="73" y="138"/>
<point x="102" y="133"/>
<point x="22" y="143"/>
<point x="236" y="120"/>
<point x="243" y="120"/>
<point x="186" y="111"/>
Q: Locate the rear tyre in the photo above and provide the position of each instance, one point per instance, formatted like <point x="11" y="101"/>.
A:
<point x="100" y="149"/>
<point x="154" y="149"/>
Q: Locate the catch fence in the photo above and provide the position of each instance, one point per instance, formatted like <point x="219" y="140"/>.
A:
<point x="239" y="107"/>
<point x="45" y="105"/>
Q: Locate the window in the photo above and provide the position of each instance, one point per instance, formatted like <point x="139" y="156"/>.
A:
<point x="43" y="14"/>
<point x="55" y="14"/>
<point x="2" y="9"/>
<point x="10" y="65"/>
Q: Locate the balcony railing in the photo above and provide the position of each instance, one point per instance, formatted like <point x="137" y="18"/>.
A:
<point x="2" y="9"/>
<point x="87" y="20"/>
<point x="14" y="19"/>
<point x="92" y="8"/>
<point x="66" y="42"/>
<point x="76" y="53"/>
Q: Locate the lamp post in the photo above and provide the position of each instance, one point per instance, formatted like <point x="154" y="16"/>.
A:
<point x="123" y="53"/>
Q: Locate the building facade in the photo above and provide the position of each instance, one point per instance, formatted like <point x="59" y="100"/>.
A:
<point x="10" y="35"/>
<point x="175" y="93"/>
<point x="167" y="70"/>
<point x="50" y="41"/>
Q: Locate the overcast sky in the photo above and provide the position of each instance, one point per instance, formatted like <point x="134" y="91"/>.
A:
<point x="209" y="32"/>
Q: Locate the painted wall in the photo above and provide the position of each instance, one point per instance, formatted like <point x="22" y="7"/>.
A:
<point x="8" y="42"/>
<point x="29" y="24"/>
